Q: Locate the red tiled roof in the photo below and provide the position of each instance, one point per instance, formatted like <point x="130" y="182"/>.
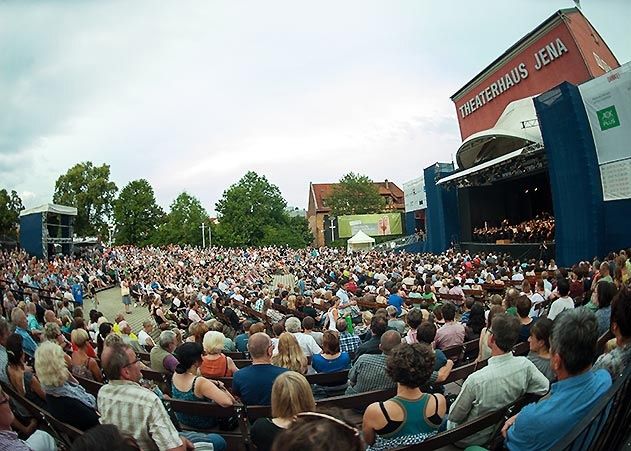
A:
<point x="320" y="191"/>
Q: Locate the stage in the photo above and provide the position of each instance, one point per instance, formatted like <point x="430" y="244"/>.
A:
<point x="521" y="251"/>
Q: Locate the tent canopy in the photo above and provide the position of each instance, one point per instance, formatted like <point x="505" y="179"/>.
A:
<point x="515" y="129"/>
<point x="50" y="208"/>
<point x="361" y="238"/>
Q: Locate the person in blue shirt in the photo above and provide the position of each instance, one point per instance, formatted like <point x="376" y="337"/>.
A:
<point x="77" y="293"/>
<point x="241" y="340"/>
<point x="396" y="300"/>
<point x="18" y="317"/>
<point x="253" y="384"/>
<point x="573" y="349"/>
<point x="331" y="359"/>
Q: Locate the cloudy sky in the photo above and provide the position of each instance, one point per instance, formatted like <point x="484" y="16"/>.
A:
<point x="191" y="95"/>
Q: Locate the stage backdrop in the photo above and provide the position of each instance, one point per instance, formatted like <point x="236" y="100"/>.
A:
<point x="372" y="225"/>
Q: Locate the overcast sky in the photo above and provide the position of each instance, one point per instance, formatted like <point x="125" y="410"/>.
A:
<point x="191" y="95"/>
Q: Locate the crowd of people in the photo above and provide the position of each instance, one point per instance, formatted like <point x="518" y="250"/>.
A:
<point x="537" y="230"/>
<point x="385" y="318"/>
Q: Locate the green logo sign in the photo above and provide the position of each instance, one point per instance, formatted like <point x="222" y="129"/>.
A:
<point x="608" y="118"/>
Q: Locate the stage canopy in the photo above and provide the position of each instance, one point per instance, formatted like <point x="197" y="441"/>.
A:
<point x="516" y="128"/>
<point x="360" y="242"/>
<point x="50" y="208"/>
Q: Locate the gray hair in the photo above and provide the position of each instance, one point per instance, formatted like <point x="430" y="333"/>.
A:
<point x="166" y="338"/>
<point x="114" y="360"/>
<point x="574" y="337"/>
<point x="292" y="324"/>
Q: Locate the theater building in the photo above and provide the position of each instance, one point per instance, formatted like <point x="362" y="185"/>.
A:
<point x="502" y="164"/>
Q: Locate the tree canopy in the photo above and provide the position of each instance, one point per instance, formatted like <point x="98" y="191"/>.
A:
<point x="182" y="224"/>
<point x="10" y="208"/>
<point x="136" y="213"/>
<point x="252" y="212"/>
<point x="89" y="189"/>
<point x="355" y="195"/>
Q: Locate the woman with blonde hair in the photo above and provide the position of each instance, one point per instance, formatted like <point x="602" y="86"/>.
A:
<point x="215" y="363"/>
<point x="290" y="354"/>
<point x="82" y="364"/>
<point x="66" y="399"/>
<point x="291" y="395"/>
<point x="196" y="332"/>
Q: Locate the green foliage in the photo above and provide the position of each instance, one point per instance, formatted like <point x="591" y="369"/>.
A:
<point x="10" y="208"/>
<point x="136" y="213"/>
<point x="355" y="195"/>
<point x="252" y="213"/>
<point x="182" y="225"/>
<point x="89" y="189"/>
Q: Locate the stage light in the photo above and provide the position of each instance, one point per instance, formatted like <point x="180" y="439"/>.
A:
<point x="536" y="189"/>
<point x="526" y="191"/>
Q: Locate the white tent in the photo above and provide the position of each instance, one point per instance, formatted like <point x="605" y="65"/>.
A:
<point x="360" y="242"/>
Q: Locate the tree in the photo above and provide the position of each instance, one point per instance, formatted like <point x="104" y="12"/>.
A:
<point x="136" y="213"/>
<point x="355" y="195"/>
<point x="10" y="208"/>
<point x="89" y="189"/>
<point x="252" y="213"/>
<point x="182" y="225"/>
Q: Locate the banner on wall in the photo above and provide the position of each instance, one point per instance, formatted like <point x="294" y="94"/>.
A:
<point x="373" y="225"/>
<point x="607" y="101"/>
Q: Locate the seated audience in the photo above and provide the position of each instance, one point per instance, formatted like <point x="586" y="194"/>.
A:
<point x="83" y="365"/>
<point x="411" y="416"/>
<point x="306" y="342"/>
<point x="9" y="440"/>
<point x="290" y="354"/>
<point x="603" y="295"/>
<point x="308" y="324"/>
<point x="540" y="347"/>
<point x="188" y="386"/>
<point x="378" y="326"/>
<point x="144" y="336"/>
<point x="104" y="437"/>
<point x="332" y="359"/>
<point x="452" y="333"/>
<point x="393" y="321"/>
<point x="66" y="399"/>
<point x="4" y="357"/>
<point x="573" y="348"/>
<point x="241" y="340"/>
<point x="20" y="376"/>
<point x="253" y="384"/>
<point x="197" y="332"/>
<point x="523" y="305"/>
<point x="369" y="370"/>
<point x="564" y="302"/>
<point x="475" y="323"/>
<point x="426" y="333"/>
<point x="349" y="342"/>
<point x="215" y="363"/>
<point x="414" y="319"/>
<point x="291" y="395"/>
<point x="503" y="381"/>
<point x="484" y="350"/>
<point x="18" y="318"/>
<point x="617" y="359"/>
<point x="162" y="359"/>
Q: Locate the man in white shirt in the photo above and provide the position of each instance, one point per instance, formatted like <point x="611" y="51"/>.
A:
<point x="564" y="302"/>
<point x="144" y="336"/>
<point x="306" y="342"/>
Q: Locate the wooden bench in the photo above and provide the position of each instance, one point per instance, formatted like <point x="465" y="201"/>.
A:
<point x="90" y="386"/>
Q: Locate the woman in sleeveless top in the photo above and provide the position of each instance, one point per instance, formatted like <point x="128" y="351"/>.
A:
<point x="215" y="363"/>
<point x="333" y="314"/>
<point x="82" y="364"/>
<point x="187" y="385"/>
<point x="20" y="376"/>
<point x="411" y="416"/>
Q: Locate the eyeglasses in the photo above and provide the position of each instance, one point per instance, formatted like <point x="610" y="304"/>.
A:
<point x="312" y="415"/>
<point x="131" y="363"/>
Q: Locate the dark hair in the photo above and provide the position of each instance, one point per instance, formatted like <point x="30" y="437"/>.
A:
<point x="411" y="365"/>
<point x="563" y="286"/>
<point x="476" y="320"/>
<point x="574" y="337"/>
<point x="378" y="325"/>
<point x="621" y="311"/>
<point x="313" y="433"/>
<point x="14" y="349"/>
<point x="495" y="309"/>
<point x="414" y="318"/>
<point x="187" y="355"/>
<point x="449" y="311"/>
<point x="426" y="332"/>
<point x="330" y="342"/>
<point x="541" y="330"/>
<point x="104" y="331"/>
<point x="523" y="305"/>
<point x="308" y="323"/>
<point x="505" y="329"/>
<point x="438" y="312"/>
<point x="278" y="328"/>
<point x="104" y="437"/>
<point x="605" y="292"/>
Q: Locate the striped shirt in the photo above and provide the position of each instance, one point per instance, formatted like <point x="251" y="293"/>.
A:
<point x="138" y="412"/>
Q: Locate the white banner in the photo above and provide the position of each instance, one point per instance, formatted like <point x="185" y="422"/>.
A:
<point x="607" y="101"/>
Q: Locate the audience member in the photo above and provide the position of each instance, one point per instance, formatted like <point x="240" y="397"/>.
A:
<point x="349" y="342"/>
<point x="144" y="336"/>
<point x="104" y="437"/>
<point x="290" y="355"/>
<point x="215" y="363"/>
<point x="523" y="305"/>
<point x="452" y="333"/>
<point x="603" y="295"/>
<point x="378" y="327"/>
<point x="20" y="376"/>
<point x="393" y="321"/>
<point x="564" y="302"/>
<point x="369" y="370"/>
<point x="162" y="359"/>
<point x="616" y="360"/>
<point x="331" y="359"/>
<point x="540" y="347"/>
<point x="306" y="342"/>
<point x="18" y="318"/>
<point x="83" y="365"/>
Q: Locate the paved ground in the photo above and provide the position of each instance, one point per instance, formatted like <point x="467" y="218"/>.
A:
<point x="110" y="304"/>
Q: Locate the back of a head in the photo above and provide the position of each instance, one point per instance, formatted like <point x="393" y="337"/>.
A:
<point x="392" y="311"/>
<point x="605" y="291"/>
<point x="308" y="323"/>
<point x="621" y="312"/>
<point x="166" y="338"/>
<point x="187" y="355"/>
<point x="414" y="318"/>
<point x="378" y="325"/>
<point x="411" y="365"/>
<point x="563" y="286"/>
<point x="213" y="342"/>
<point x="292" y="324"/>
<point x="505" y="329"/>
<point x="426" y="332"/>
<point x="389" y="340"/>
<point x="574" y="337"/>
<point x="341" y="325"/>
<point x="449" y="311"/>
<point x="104" y="437"/>
<point x="291" y="395"/>
<point x="114" y="359"/>
<point x="258" y="344"/>
<point x="314" y="433"/>
<point x="523" y="304"/>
